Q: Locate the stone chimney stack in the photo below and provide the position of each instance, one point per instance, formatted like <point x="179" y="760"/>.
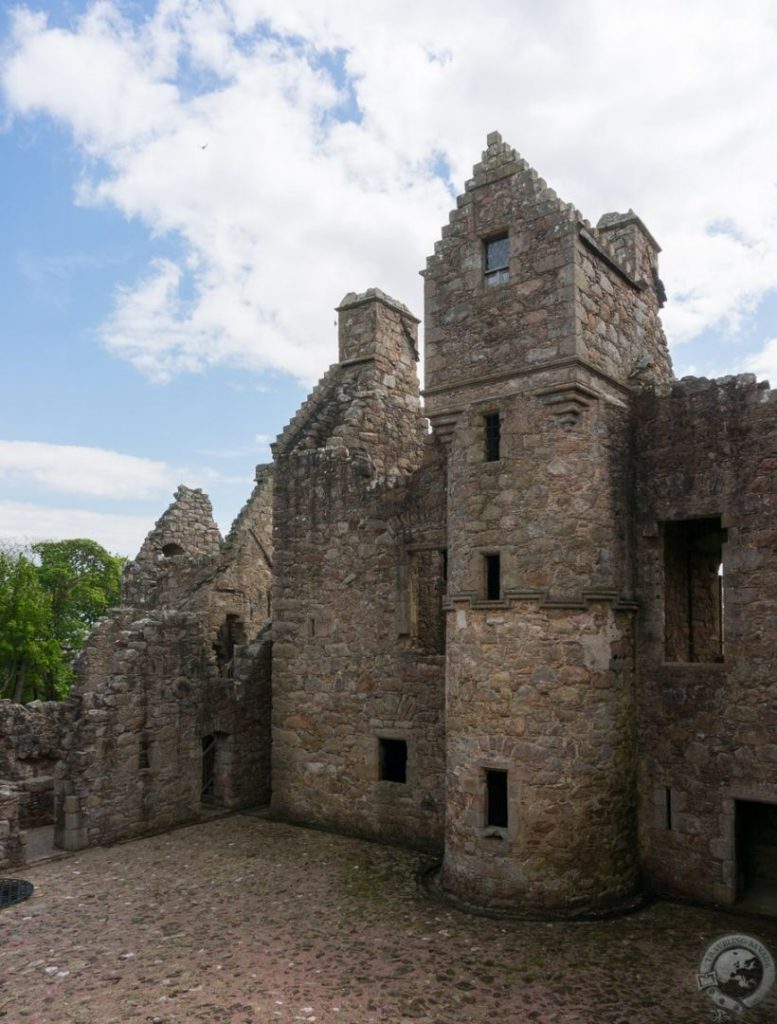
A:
<point x="372" y="325"/>
<point x="636" y="249"/>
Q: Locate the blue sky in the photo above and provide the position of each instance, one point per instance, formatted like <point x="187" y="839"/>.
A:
<point x="190" y="186"/>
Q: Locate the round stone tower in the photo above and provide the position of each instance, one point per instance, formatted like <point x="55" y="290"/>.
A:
<point x="537" y="331"/>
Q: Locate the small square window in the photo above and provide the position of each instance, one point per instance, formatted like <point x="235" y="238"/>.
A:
<point x="393" y="760"/>
<point x="497" y="259"/>
<point x="492" y="571"/>
<point x="492" y="431"/>
<point x="496" y="798"/>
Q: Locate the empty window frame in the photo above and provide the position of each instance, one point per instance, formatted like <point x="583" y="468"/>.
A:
<point x="693" y="590"/>
<point x="492" y="576"/>
<point x="496" y="798"/>
<point x="492" y="435"/>
<point x="497" y="259"/>
<point x="392" y="759"/>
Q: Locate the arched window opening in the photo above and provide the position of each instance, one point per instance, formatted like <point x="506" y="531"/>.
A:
<point x="172" y="550"/>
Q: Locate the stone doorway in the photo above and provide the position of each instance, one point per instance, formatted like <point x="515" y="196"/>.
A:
<point x="216" y="769"/>
<point x="756" y="853"/>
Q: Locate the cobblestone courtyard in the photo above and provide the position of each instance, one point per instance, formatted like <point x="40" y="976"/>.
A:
<point x="245" y="920"/>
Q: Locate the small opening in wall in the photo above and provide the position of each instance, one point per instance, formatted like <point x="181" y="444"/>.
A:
<point x="496" y="798"/>
<point x="492" y="431"/>
<point x="311" y="626"/>
<point x="144" y="745"/>
<point x="208" y="769"/>
<point x="492" y="572"/>
<point x="172" y="550"/>
<point x="393" y="760"/>
<point x="668" y="807"/>
<point x="497" y="259"/>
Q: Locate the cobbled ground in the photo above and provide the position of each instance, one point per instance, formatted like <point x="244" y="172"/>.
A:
<point x="245" y="920"/>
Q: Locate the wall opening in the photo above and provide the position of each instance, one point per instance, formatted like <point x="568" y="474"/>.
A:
<point x="693" y="590"/>
<point x="144" y="750"/>
<point x="208" y="791"/>
<point x="231" y="633"/>
<point x="392" y="759"/>
<point x="172" y="550"/>
<point x="668" y="808"/>
<point x="427" y="572"/>
<point x="756" y="851"/>
<point x="492" y="573"/>
<point x="496" y="259"/>
<point x="496" y="798"/>
<point x="492" y="435"/>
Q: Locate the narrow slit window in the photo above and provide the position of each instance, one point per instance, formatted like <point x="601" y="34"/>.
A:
<point x="497" y="259"/>
<point x="393" y="760"/>
<point x="668" y="807"/>
<point x="496" y="798"/>
<point x="493" y="576"/>
<point x="492" y="429"/>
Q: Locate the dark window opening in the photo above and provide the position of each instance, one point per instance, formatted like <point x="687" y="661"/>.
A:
<point x="496" y="798"/>
<point x="492" y="428"/>
<point x="231" y="633"/>
<point x="208" y="769"/>
<point x="144" y="745"/>
<point x="693" y="590"/>
<point x="497" y="259"/>
<point x="756" y="849"/>
<point x="444" y="554"/>
<point x="493" y="577"/>
<point x="172" y="550"/>
<point x="668" y="807"/>
<point x="393" y="760"/>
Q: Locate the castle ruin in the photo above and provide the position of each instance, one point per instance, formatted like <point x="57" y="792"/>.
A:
<point x="530" y="624"/>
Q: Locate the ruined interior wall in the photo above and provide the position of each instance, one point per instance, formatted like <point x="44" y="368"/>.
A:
<point x="31" y="744"/>
<point x="12" y="850"/>
<point x="705" y="449"/>
<point x="134" y="753"/>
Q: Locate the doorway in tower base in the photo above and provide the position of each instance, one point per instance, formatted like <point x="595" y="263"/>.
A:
<point x="756" y="855"/>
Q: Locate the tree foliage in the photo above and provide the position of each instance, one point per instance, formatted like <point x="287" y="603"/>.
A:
<point x="49" y="599"/>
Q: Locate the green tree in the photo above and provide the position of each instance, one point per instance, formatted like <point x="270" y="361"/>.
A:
<point x="31" y="661"/>
<point x="83" y="581"/>
<point x="50" y="598"/>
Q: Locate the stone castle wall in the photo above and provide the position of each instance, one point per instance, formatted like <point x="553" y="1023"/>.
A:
<point x="354" y="507"/>
<point x="706" y="449"/>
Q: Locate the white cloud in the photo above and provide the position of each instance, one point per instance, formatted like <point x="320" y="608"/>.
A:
<point x="667" y="108"/>
<point x="25" y="523"/>
<point x="71" y="469"/>
<point x="764" y="362"/>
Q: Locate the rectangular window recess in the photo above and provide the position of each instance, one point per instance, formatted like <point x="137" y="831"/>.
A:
<point x="668" y="807"/>
<point x="492" y="430"/>
<point x="496" y="798"/>
<point x="393" y="760"/>
<point x="694" y="605"/>
<point x="493" y="577"/>
<point x="497" y="259"/>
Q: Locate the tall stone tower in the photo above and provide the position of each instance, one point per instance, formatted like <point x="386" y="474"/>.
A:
<point x="539" y="327"/>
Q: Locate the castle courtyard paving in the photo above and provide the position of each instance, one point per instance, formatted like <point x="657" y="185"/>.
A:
<point x="245" y="920"/>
